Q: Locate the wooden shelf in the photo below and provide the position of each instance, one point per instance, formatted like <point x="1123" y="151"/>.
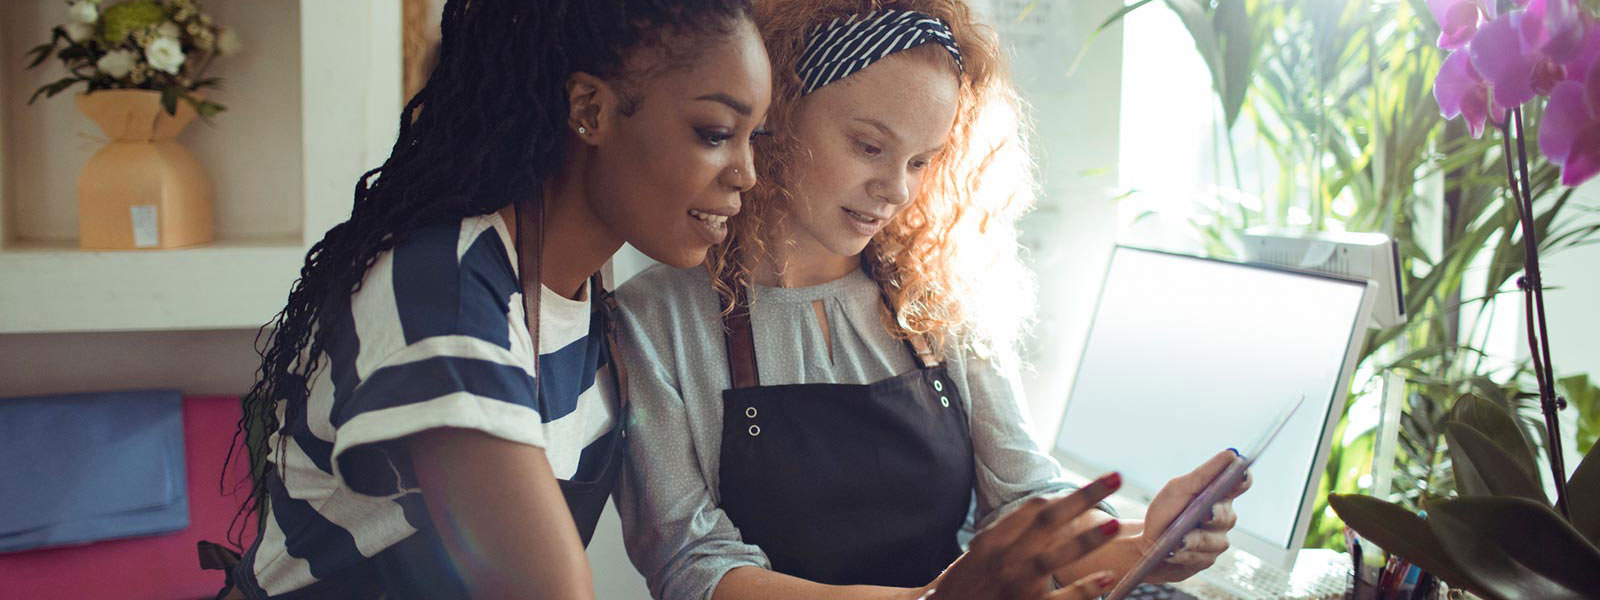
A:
<point x="313" y="102"/>
<point x="56" y="287"/>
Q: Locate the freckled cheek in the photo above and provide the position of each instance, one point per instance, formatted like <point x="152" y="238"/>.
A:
<point x="833" y="179"/>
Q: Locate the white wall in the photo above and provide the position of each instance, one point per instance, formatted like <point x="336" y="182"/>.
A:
<point x="1573" y="310"/>
<point x="1069" y="237"/>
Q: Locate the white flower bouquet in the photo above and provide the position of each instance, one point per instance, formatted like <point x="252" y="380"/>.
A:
<point x="158" y="45"/>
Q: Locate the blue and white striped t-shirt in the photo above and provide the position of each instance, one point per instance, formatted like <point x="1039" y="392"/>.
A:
<point x="434" y="337"/>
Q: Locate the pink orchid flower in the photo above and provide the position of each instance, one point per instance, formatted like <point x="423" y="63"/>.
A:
<point x="1461" y="91"/>
<point x="1588" y="52"/>
<point x="1569" y="134"/>
<point x="1459" y="19"/>
<point x="1526" y="52"/>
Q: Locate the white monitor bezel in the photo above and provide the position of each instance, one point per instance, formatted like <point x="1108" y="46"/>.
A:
<point x="1136" y="496"/>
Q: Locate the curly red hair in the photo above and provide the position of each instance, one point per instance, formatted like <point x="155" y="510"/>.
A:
<point x="949" y="263"/>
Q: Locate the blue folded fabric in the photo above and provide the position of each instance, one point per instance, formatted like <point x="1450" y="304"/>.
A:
<point x="85" y="467"/>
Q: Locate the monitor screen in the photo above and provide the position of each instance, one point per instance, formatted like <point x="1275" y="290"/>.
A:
<point x="1188" y="356"/>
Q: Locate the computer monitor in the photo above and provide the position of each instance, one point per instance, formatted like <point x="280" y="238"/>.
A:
<point x="1188" y="356"/>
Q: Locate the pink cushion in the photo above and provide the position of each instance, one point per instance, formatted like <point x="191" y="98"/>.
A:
<point x="156" y="567"/>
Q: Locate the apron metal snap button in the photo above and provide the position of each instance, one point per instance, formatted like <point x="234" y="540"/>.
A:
<point x="944" y="401"/>
<point x="755" y="430"/>
<point x="750" y="412"/>
<point x="938" y="386"/>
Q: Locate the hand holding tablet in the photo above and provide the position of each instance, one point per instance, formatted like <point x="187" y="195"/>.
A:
<point x="1225" y="482"/>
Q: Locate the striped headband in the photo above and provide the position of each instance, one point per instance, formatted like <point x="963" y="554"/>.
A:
<point x="845" y="45"/>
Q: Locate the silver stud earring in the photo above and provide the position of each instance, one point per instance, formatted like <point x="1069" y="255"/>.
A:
<point x="582" y="131"/>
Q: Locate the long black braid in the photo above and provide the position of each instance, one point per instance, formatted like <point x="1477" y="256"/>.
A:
<point x="485" y="130"/>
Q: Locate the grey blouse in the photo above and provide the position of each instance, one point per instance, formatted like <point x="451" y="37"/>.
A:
<point x="672" y="340"/>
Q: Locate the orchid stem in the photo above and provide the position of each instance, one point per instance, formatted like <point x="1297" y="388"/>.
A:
<point x="1533" y="296"/>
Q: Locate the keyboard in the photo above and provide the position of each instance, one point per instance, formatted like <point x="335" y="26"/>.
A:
<point x="1317" y="575"/>
<point x="1150" y="591"/>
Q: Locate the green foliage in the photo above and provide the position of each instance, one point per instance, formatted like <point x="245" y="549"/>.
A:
<point x="1584" y="397"/>
<point x="115" y="52"/>
<point x="120" y="20"/>
<point x="1500" y="538"/>
<point x="1340" y="94"/>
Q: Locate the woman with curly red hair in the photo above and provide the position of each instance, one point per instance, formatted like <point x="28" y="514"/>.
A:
<point x="868" y="304"/>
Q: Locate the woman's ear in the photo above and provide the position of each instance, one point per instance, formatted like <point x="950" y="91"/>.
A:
<point x="592" y="107"/>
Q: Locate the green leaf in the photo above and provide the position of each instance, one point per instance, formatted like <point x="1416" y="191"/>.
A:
<point x="1403" y="534"/>
<point x="42" y="52"/>
<point x="1584" y="398"/>
<point x="1231" y="21"/>
<point x="54" y="88"/>
<point x="1516" y="548"/>
<point x="1498" y="425"/>
<point x="169" y="99"/>
<point x="1469" y="482"/>
<point x="209" y="109"/>
<point x="1583" y="497"/>
<point x="1502" y="474"/>
<point x="205" y="108"/>
<point x="1112" y="20"/>
<point x="1118" y="16"/>
<point x="1195" y="18"/>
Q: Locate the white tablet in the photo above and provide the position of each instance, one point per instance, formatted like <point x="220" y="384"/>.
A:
<point x="1192" y="514"/>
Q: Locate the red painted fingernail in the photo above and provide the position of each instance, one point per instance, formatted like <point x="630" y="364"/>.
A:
<point x="1112" y="481"/>
<point x="1109" y="528"/>
<point x="1104" y="581"/>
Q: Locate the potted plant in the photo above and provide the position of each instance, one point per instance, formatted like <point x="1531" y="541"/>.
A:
<point x="1502" y="537"/>
<point x="143" y="65"/>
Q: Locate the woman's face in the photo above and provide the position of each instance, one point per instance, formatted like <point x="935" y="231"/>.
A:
<point x="666" y="177"/>
<point x="866" y="143"/>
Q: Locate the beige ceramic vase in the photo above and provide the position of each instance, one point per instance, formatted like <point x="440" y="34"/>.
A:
<point x="143" y="190"/>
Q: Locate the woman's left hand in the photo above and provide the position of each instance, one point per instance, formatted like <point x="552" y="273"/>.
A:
<point x="1200" y="548"/>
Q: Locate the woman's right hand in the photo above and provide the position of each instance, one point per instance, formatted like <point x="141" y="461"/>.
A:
<point x="1013" y="558"/>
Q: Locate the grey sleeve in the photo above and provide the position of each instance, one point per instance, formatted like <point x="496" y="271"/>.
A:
<point x="1011" y="467"/>
<point x="674" y="532"/>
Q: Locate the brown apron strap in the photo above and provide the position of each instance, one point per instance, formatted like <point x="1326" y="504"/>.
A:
<point x="921" y="348"/>
<point x="741" y="341"/>
<point x="530" y="251"/>
<point x="530" y="233"/>
<point x="619" y="370"/>
<point x="918" y="343"/>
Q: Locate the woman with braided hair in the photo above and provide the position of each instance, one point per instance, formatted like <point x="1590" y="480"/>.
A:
<point x="438" y="404"/>
<point x="865" y="314"/>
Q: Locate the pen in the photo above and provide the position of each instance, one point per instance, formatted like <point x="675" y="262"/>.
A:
<point x="1408" y="584"/>
<point x="1353" y="542"/>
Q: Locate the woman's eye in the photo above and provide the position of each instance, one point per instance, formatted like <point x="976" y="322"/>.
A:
<point x="714" y="137"/>
<point x="757" y="134"/>
<point x="918" y="165"/>
<point x="869" y="149"/>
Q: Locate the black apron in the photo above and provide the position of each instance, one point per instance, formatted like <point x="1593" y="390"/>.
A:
<point x="846" y="484"/>
<point x="586" y="498"/>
